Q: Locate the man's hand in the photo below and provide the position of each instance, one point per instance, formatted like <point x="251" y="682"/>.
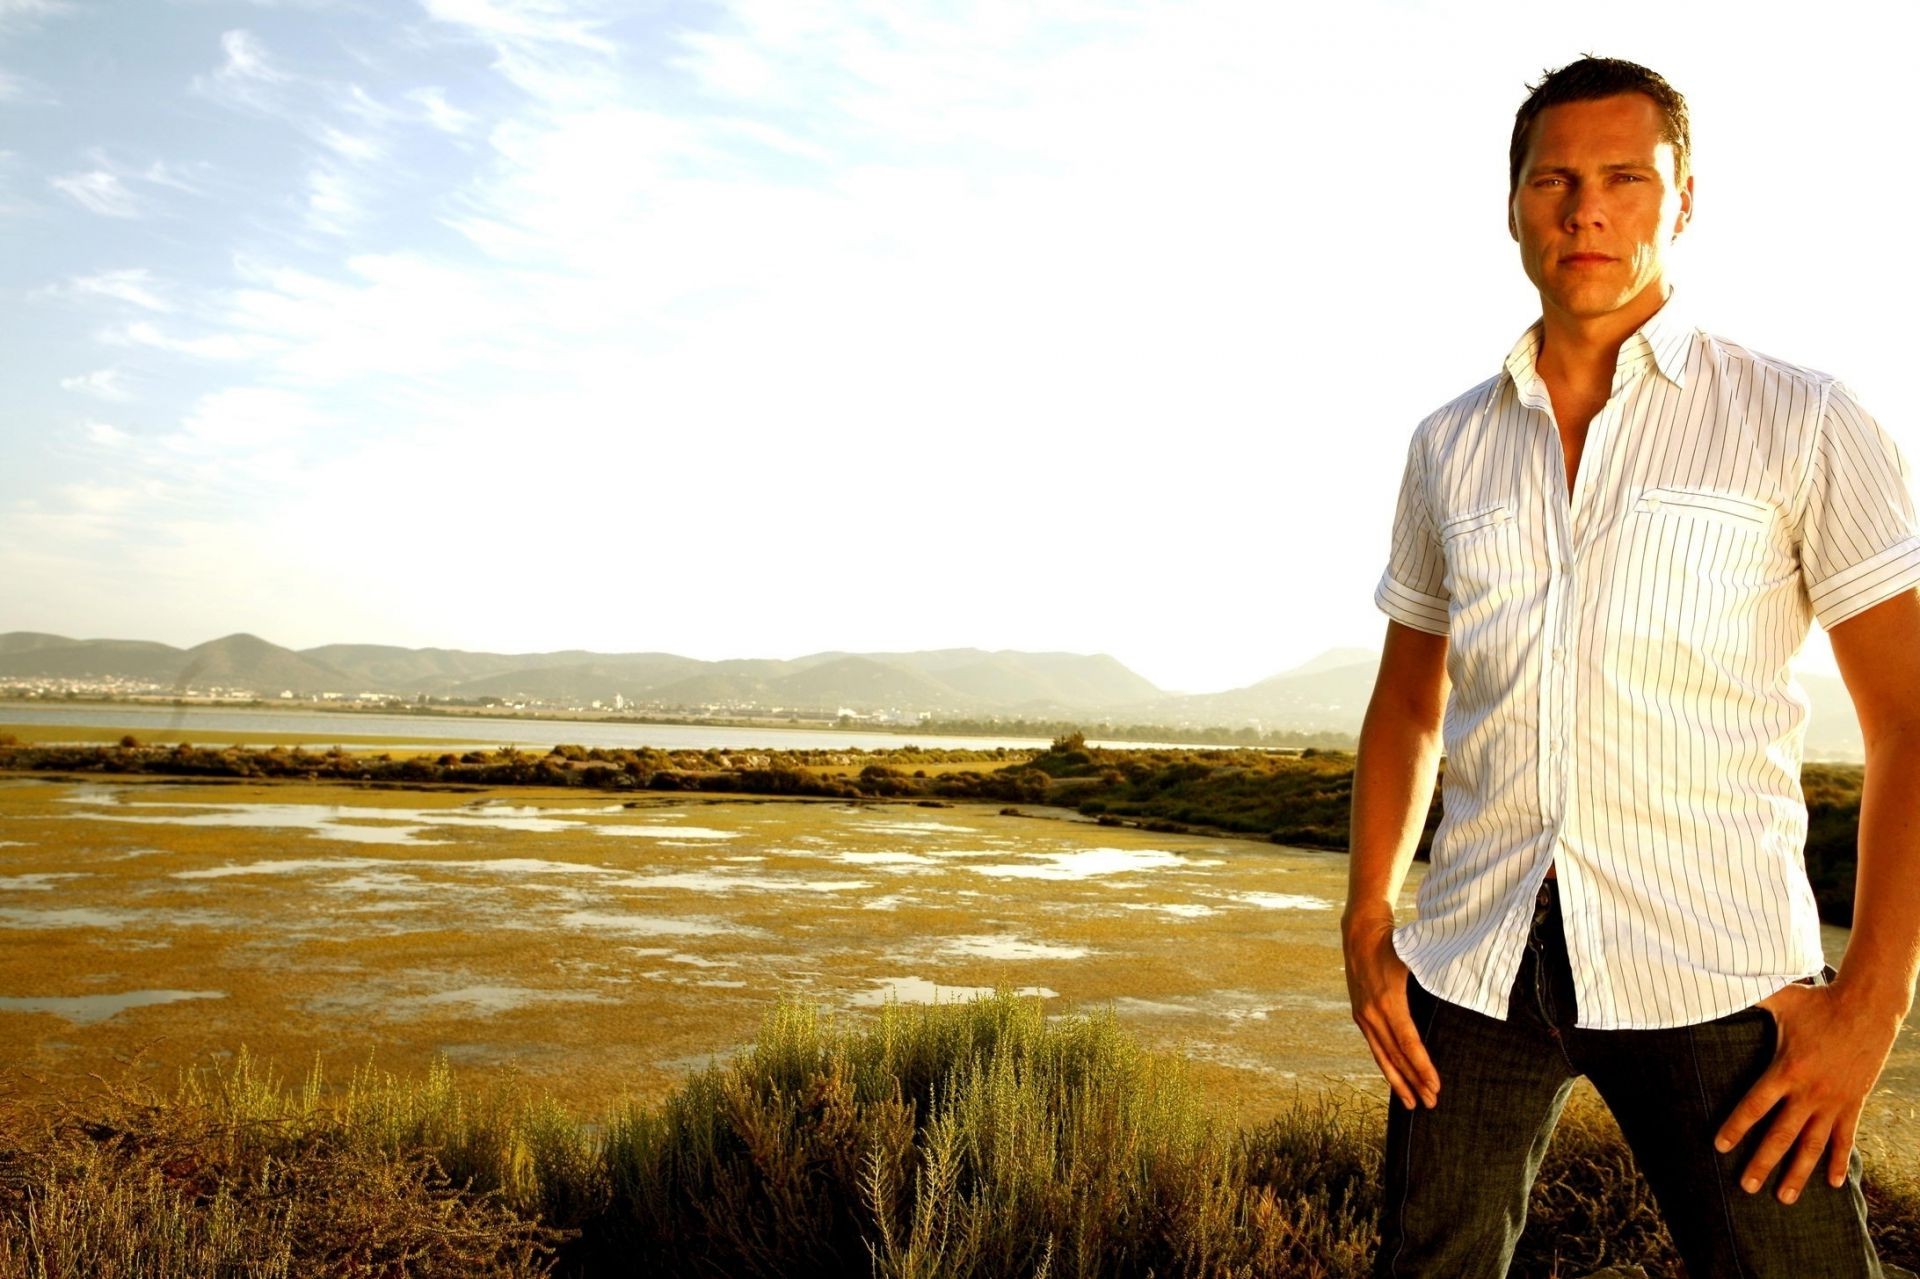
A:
<point x="1377" y="986"/>
<point x="1831" y="1044"/>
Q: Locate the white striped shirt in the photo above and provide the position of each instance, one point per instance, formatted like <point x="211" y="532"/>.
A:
<point x="1621" y="706"/>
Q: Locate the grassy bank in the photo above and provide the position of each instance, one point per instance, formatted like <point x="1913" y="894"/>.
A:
<point x="980" y="1139"/>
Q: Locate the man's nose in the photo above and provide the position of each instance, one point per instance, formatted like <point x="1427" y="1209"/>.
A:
<point x="1584" y="210"/>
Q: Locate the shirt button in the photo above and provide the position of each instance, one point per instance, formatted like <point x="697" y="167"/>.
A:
<point x="1559" y="653"/>
<point x="1653" y="504"/>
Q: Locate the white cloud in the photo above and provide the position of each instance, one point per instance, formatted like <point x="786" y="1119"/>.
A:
<point x="352" y="146"/>
<point x="332" y="203"/>
<point x="136" y="286"/>
<point x="244" y="419"/>
<point x="105" y="435"/>
<point x="160" y="173"/>
<point x="440" y="113"/>
<point x="246" y="58"/>
<point x="214" y="346"/>
<point x="522" y="21"/>
<point x="247" y="77"/>
<point x="102" y="384"/>
<point x="99" y="192"/>
<point x="543" y="47"/>
<point x="24" y="12"/>
<point x="98" y="499"/>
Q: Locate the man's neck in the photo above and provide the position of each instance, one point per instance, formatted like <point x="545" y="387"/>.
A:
<point x="1582" y="350"/>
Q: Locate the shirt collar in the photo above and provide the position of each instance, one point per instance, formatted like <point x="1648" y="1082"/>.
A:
<point x="1664" y="341"/>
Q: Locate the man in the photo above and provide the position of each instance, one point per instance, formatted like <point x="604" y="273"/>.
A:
<point x="1603" y="559"/>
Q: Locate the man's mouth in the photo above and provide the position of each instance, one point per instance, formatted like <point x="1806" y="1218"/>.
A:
<point x="1584" y="259"/>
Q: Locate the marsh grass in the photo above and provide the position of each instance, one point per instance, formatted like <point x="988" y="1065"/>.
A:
<point x="980" y="1139"/>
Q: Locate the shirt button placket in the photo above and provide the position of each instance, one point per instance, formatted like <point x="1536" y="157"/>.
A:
<point x="1562" y="601"/>
<point x="1564" y="624"/>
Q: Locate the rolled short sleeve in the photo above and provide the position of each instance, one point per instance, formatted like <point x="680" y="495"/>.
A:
<point x="1413" y="590"/>
<point x="1859" y="541"/>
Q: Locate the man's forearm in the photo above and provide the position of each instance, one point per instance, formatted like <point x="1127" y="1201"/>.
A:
<point x="1883" y="953"/>
<point x="1393" y="777"/>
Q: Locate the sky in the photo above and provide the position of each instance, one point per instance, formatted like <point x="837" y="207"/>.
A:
<point x="765" y="327"/>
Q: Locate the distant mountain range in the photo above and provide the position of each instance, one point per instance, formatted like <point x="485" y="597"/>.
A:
<point x="1327" y="694"/>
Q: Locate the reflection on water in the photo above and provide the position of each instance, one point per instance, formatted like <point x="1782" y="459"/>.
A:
<point x="67" y="917"/>
<point x="1083" y="863"/>
<point x="37" y="883"/>
<point x="914" y="828"/>
<point x="1283" y="901"/>
<point x="646" y="925"/>
<point x="918" y="990"/>
<point x="84" y="1010"/>
<point x="367" y="825"/>
<point x="721" y="882"/>
<point x="991" y="947"/>
<point x="668" y="832"/>
<point x="25" y="917"/>
<point x="478" y="1000"/>
<point x="896" y="861"/>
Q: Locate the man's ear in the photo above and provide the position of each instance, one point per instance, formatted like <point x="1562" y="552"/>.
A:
<point x="1685" y="218"/>
<point x="1513" y="228"/>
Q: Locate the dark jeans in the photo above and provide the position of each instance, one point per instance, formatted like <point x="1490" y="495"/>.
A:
<point x="1458" y="1176"/>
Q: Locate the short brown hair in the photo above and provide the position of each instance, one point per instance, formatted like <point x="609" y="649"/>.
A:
<point x="1591" y="78"/>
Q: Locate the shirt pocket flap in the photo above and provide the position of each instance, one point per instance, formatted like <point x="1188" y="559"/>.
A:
<point x="1728" y="508"/>
<point x="1473" y="521"/>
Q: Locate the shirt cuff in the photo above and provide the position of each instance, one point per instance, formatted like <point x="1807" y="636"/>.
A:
<point x="1409" y="607"/>
<point x="1872" y="581"/>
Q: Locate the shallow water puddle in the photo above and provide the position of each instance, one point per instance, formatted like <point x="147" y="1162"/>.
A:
<point x="68" y="917"/>
<point x="662" y="832"/>
<point x="1083" y="863"/>
<point x="648" y="925"/>
<point x="1002" y="947"/>
<point x="918" y="990"/>
<point x="710" y="882"/>
<point x="888" y="859"/>
<point x="916" y="828"/>
<point x="38" y="883"/>
<point x="479" y="1000"/>
<point x="1179" y="910"/>
<point x="85" y="1010"/>
<point x="1283" y="901"/>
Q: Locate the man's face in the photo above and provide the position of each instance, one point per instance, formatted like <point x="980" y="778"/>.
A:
<point x="1597" y="205"/>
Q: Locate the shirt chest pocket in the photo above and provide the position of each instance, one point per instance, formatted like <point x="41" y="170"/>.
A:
<point x="1485" y="566"/>
<point x="1730" y="509"/>
<point x="1704" y="548"/>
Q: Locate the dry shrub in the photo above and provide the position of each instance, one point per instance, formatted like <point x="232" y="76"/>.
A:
<point x="123" y="1184"/>
<point x="968" y="1141"/>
